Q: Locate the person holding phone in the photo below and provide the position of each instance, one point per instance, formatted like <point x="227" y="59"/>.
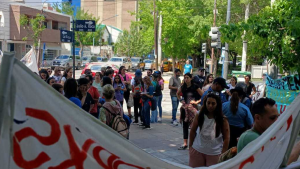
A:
<point x="119" y="89"/>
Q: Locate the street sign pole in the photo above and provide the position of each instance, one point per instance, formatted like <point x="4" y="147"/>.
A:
<point x="73" y="47"/>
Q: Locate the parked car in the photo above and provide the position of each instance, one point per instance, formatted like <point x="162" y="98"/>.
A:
<point x="86" y="60"/>
<point x="102" y="59"/>
<point x="120" y="61"/>
<point x="64" y="61"/>
<point x="96" y="67"/>
<point x="137" y="63"/>
<point x="167" y="66"/>
<point x="148" y="64"/>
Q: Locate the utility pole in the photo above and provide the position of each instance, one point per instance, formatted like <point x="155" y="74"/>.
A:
<point x="245" y="43"/>
<point x="225" y="63"/>
<point x="73" y="46"/>
<point x="212" y="49"/>
<point x="159" y="41"/>
<point x="155" y="35"/>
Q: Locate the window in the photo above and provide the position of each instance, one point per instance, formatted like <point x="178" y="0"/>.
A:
<point x="27" y="48"/>
<point x="62" y="26"/>
<point x="49" y="54"/>
<point x="55" y="25"/>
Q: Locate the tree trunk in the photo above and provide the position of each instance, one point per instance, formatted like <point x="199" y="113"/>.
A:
<point x="245" y="45"/>
<point x="38" y="54"/>
<point x="81" y="49"/>
<point x="173" y="65"/>
<point x="234" y="60"/>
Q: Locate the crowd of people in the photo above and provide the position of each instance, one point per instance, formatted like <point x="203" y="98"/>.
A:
<point x="220" y="117"/>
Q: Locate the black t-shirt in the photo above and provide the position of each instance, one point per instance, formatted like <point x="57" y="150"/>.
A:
<point x="249" y="88"/>
<point x="88" y="101"/>
<point x="190" y="93"/>
<point x="199" y="80"/>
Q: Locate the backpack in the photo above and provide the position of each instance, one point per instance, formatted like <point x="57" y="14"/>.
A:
<point x="118" y="124"/>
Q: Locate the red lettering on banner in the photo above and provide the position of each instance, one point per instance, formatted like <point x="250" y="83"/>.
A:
<point x="273" y="138"/>
<point x="45" y="140"/>
<point x="77" y="156"/>
<point x="281" y="111"/>
<point x="262" y="148"/>
<point x="249" y="160"/>
<point x="289" y="122"/>
<point x="113" y="161"/>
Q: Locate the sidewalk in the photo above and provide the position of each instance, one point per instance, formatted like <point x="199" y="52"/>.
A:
<point x="162" y="141"/>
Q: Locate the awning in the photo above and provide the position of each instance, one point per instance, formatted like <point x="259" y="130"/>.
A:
<point x="52" y="46"/>
<point x="15" y="41"/>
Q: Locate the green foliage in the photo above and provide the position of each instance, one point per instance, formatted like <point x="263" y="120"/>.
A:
<point x="82" y="38"/>
<point x="132" y="43"/>
<point x="273" y="33"/>
<point x="34" y="26"/>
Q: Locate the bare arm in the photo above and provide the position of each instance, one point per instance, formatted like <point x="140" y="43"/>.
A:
<point x="91" y="107"/>
<point x="226" y="135"/>
<point x="162" y="86"/>
<point x="294" y="154"/>
<point x="193" y="130"/>
<point x="254" y="91"/>
<point x="178" y="93"/>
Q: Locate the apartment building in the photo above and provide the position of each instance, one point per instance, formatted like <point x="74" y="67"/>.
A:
<point x="12" y="33"/>
<point x="112" y="12"/>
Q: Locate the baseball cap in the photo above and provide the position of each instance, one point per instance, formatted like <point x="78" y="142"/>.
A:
<point x="155" y="75"/>
<point x="221" y="82"/>
<point x="158" y="72"/>
<point x="108" y="67"/>
<point x="201" y="68"/>
<point x="138" y="72"/>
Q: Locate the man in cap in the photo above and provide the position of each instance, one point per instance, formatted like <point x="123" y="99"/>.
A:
<point x="218" y="85"/>
<point x="200" y="78"/>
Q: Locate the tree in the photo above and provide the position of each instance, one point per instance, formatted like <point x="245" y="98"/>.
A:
<point x="82" y="38"/>
<point x="276" y="31"/>
<point x="34" y="26"/>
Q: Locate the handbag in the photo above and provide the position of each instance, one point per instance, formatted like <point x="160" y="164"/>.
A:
<point x="153" y="104"/>
<point x="130" y="100"/>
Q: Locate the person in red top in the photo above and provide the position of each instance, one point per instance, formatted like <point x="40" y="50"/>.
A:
<point x="95" y="95"/>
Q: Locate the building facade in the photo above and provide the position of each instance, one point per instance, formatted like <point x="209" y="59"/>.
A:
<point x="112" y="12"/>
<point x="11" y="37"/>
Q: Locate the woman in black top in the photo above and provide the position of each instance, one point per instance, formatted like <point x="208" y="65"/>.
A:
<point x="250" y="86"/>
<point x="191" y="97"/>
<point x="86" y="99"/>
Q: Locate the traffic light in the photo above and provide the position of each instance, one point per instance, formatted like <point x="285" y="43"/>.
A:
<point x="203" y="47"/>
<point x="215" y="37"/>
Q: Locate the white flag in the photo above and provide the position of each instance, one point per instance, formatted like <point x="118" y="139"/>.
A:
<point x="40" y="128"/>
<point x="30" y="61"/>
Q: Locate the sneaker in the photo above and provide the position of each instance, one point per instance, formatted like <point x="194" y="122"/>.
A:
<point x="159" y="119"/>
<point x="175" y="123"/>
<point x="141" y="125"/>
<point x="135" y="122"/>
<point x="147" y="128"/>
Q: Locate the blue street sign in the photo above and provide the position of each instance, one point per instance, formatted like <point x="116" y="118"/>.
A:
<point x="85" y="25"/>
<point x="66" y="36"/>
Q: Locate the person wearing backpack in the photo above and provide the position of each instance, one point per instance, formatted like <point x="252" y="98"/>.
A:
<point x="111" y="113"/>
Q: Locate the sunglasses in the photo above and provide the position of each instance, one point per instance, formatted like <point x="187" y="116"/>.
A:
<point x="49" y="71"/>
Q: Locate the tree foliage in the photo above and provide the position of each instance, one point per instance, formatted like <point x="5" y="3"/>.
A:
<point x="275" y="32"/>
<point x="35" y="26"/>
<point x="82" y="38"/>
<point x="132" y="43"/>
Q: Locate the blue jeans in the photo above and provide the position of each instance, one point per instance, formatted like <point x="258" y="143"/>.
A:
<point x="146" y="113"/>
<point x="154" y="113"/>
<point x="159" y="99"/>
<point x="175" y="103"/>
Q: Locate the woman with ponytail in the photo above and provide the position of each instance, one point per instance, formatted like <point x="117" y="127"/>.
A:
<point x="239" y="117"/>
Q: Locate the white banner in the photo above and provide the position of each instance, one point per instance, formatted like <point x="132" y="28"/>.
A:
<point x="40" y="128"/>
<point x="30" y="61"/>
